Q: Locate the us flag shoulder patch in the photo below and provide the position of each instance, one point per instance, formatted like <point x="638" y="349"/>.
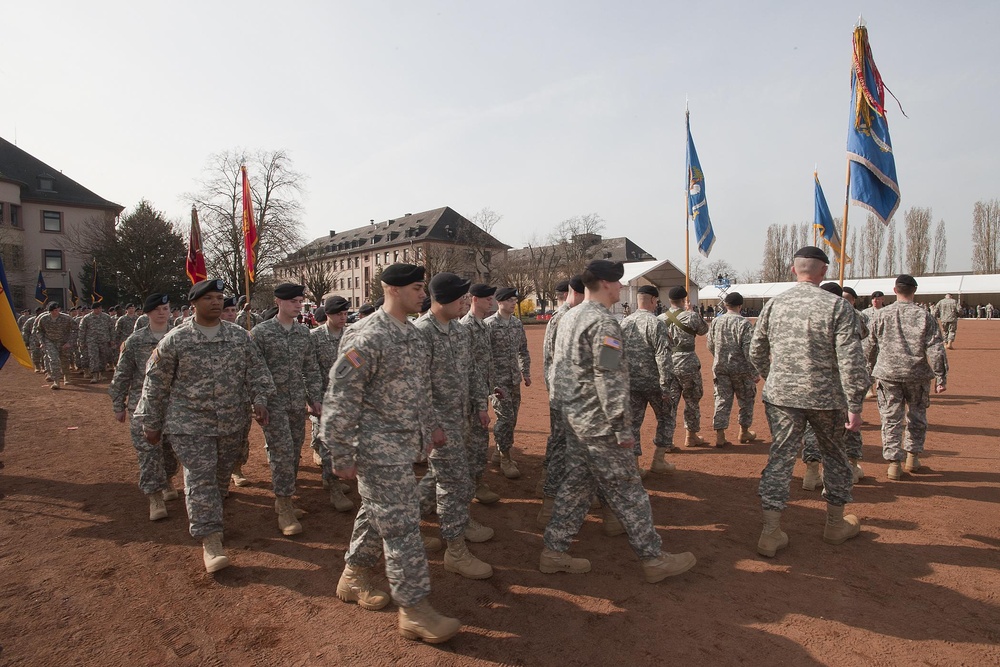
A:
<point x="613" y="343"/>
<point x="354" y="357"/>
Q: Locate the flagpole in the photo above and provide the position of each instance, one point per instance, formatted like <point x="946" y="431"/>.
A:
<point x="843" y="233"/>
<point x="687" y="204"/>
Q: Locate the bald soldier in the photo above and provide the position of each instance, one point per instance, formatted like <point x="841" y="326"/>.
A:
<point x="684" y="324"/>
<point x="806" y="348"/>
<point x="947" y="312"/>
<point x="729" y="338"/>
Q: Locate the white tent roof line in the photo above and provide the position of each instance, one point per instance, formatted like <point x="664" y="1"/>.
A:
<point x="927" y="285"/>
<point x="658" y="272"/>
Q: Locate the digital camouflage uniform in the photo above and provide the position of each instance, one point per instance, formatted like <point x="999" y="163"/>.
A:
<point x="591" y="384"/>
<point x="157" y="463"/>
<point x="478" y="438"/>
<point x="96" y="333"/>
<point x="687" y="367"/>
<point x="555" y="445"/>
<point x="57" y="335"/>
<point x="291" y="358"/>
<point x="947" y="312"/>
<point x="806" y="347"/>
<point x="511" y="364"/>
<point x="195" y="393"/>
<point x="868" y="343"/>
<point x="651" y="376"/>
<point x="124" y="326"/>
<point x="728" y="340"/>
<point x="241" y="319"/>
<point x="911" y="353"/>
<point x="326" y="344"/>
<point x="453" y="380"/>
<point x="377" y="415"/>
<point x="33" y="342"/>
<point x="140" y="322"/>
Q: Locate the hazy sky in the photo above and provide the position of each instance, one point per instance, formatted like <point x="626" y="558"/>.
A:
<point x="539" y="110"/>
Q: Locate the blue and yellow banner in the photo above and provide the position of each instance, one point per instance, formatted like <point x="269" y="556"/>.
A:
<point x="41" y="292"/>
<point x="823" y="221"/>
<point x="697" y="203"/>
<point x="11" y="342"/>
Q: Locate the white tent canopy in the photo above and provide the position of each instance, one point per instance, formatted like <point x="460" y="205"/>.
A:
<point x="662" y="274"/>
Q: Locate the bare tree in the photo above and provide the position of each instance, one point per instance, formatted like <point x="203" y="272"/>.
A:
<point x="917" y="222"/>
<point x="515" y="272"/>
<point x="872" y="239"/>
<point x="890" y="248"/>
<point x="986" y="236"/>
<point x="545" y="270"/>
<point x="720" y="268"/>
<point x="485" y="250"/>
<point x="777" y="260"/>
<point x="698" y="271"/>
<point x="275" y="189"/>
<point x="319" y="277"/>
<point x="940" y="264"/>
<point x="748" y="276"/>
<point x="576" y="239"/>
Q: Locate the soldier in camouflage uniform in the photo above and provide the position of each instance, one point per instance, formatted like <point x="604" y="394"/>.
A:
<point x="868" y="344"/>
<point x="124" y="326"/>
<point x="728" y="340"/>
<point x="454" y="380"/>
<point x="290" y="355"/>
<point x="33" y="342"/>
<point x="198" y="383"/>
<point x="96" y="334"/>
<point x="326" y="344"/>
<point x="557" y="433"/>
<point x="651" y="376"/>
<point x="478" y="439"/>
<point x="55" y="331"/>
<point x="376" y="418"/>
<point x="683" y="324"/>
<point x="157" y="463"/>
<point x="806" y="348"/>
<point x="246" y="315"/>
<point x="911" y="353"/>
<point x="591" y="386"/>
<point x="511" y="365"/>
<point x="947" y="312"/>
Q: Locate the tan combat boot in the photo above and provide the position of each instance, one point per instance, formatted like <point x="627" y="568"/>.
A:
<point x="560" y="561"/>
<point x="431" y="544"/>
<point x="486" y="495"/>
<point x="840" y="528"/>
<point x="895" y="471"/>
<point x="720" y="437"/>
<point x="458" y="559"/>
<point x="694" y="440"/>
<point x="812" y="479"/>
<point x="238" y="478"/>
<point x="912" y="462"/>
<point x="477" y="532"/>
<point x="421" y="621"/>
<point x="169" y="492"/>
<point x="856" y="470"/>
<point x="157" y="510"/>
<point x="54" y="385"/>
<point x="356" y="585"/>
<point x="638" y="467"/>
<point x="317" y="459"/>
<point x="287" y="523"/>
<point x="746" y="435"/>
<point x="611" y="525"/>
<point x="213" y="554"/>
<point x="771" y="537"/>
<point x="667" y="565"/>
<point x="544" y="514"/>
<point x="660" y="463"/>
<point x="340" y="502"/>
<point x="508" y="467"/>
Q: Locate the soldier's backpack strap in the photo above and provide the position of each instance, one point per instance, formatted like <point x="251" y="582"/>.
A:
<point x="672" y="316"/>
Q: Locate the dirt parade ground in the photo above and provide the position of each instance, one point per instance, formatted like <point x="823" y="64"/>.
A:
<point x="87" y="579"/>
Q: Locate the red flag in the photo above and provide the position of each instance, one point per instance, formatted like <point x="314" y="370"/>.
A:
<point x="249" y="228"/>
<point x="195" y="263"/>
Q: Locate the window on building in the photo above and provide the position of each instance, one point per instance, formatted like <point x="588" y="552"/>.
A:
<point x="341" y="283"/>
<point x="15" y="216"/>
<point x="395" y="256"/>
<point x="378" y="258"/>
<point x="52" y="260"/>
<point x="357" y="302"/>
<point x="349" y="283"/>
<point x="1" y="213"/>
<point x="341" y="265"/>
<point x="46" y="184"/>
<point x="52" y="222"/>
<point x="357" y="262"/>
<point x="406" y="254"/>
<point x="387" y="257"/>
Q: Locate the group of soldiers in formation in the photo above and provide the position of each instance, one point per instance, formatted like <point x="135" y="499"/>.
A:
<point x="389" y="391"/>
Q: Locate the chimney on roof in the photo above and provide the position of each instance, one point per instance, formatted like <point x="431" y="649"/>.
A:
<point x="372" y="221"/>
<point x="409" y="214"/>
<point x="332" y="233"/>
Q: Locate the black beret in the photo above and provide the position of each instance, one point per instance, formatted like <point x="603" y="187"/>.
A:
<point x="447" y="287"/>
<point x="401" y="275"/>
<point x="734" y="299"/>
<point x="677" y="293"/>
<point x="319" y="315"/>
<point x="335" y="304"/>
<point x="269" y="313"/>
<point x="481" y="290"/>
<point x="576" y="283"/>
<point x="230" y="302"/>
<point x="426" y="305"/>
<point x="877" y="293"/>
<point x="184" y="308"/>
<point x="366" y="309"/>
<point x="98" y="305"/>
<point x="289" y="291"/>
<point x="832" y="288"/>
<point x="812" y="252"/>
<point x="906" y="280"/>
<point x="562" y="287"/>
<point x="242" y="301"/>
<point x="605" y="269"/>
<point x="52" y="306"/>
<point x="379" y="302"/>
<point x="154" y="301"/>
<point x="130" y="305"/>
<point x="850" y="290"/>
<point x="650" y="290"/>
<point x="199" y="290"/>
<point x="505" y="293"/>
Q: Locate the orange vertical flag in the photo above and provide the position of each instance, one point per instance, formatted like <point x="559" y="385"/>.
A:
<point x="249" y="228"/>
<point x="195" y="263"/>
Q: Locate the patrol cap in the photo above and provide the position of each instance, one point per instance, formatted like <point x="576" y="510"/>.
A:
<point x="230" y="302"/>
<point x="812" y="252"/>
<point x="447" y="287"/>
<point x="576" y="283"/>
<point x="562" y="287"/>
<point x="334" y="305"/>
<point x="905" y="280"/>
<point x="401" y="275"/>
<point x="269" y="313"/>
<point x="202" y="288"/>
<point x="850" y="290"/>
<point x="286" y="291"/>
<point x="154" y="301"/>
<point x="319" y="315"/>
<point x="832" y="288"/>
<point x="650" y="290"/>
<point x="52" y="306"/>
<point x="604" y="269"/>
<point x="677" y="293"/>
<point x="505" y="293"/>
<point x="877" y="294"/>
<point x="366" y="309"/>
<point x="734" y="299"/>
<point x="482" y="290"/>
<point x="426" y="305"/>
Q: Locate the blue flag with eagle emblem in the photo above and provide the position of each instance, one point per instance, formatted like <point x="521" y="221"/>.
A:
<point x="697" y="204"/>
